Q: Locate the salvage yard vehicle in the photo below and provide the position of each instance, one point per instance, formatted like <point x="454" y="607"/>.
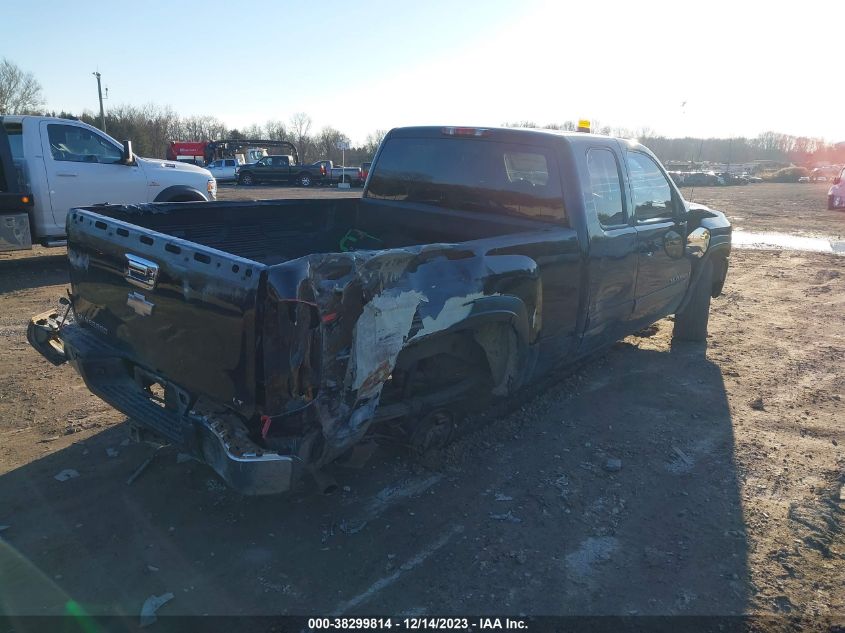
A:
<point x="223" y="169"/>
<point x="65" y="164"/>
<point x="281" y="169"/>
<point x="337" y="173"/>
<point x="836" y="193"/>
<point x="15" y="201"/>
<point x="268" y="337"/>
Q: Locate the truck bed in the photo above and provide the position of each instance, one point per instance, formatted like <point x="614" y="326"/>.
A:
<point x="275" y="231"/>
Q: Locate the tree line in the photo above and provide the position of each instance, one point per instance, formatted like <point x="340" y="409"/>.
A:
<point x="774" y="146"/>
<point x="152" y="127"/>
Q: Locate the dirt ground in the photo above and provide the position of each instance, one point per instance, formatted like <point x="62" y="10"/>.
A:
<point x="800" y="209"/>
<point x="729" y="498"/>
<point x="229" y="191"/>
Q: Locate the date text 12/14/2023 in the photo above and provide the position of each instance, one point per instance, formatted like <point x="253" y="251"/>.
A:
<point x="417" y="623"/>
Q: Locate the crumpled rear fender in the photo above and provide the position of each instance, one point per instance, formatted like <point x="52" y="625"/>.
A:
<point x="372" y="304"/>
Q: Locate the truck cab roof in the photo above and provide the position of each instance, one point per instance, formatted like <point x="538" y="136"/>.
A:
<point x="533" y="136"/>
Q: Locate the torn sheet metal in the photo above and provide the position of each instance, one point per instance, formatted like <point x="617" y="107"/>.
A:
<point x="373" y="304"/>
<point x="380" y="334"/>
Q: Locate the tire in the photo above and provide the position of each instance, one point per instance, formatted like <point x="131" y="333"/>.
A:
<point x="246" y="179"/>
<point x="691" y="323"/>
<point x="305" y="180"/>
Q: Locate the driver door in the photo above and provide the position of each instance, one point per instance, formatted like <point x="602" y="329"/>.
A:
<point x="663" y="270"/>
<point x="84" y="169"/>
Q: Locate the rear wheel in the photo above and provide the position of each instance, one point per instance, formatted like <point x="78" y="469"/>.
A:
<point x="430" y="390"/>
<point x="305" y="180"/>
<point x="691" y="322"/>
<point x="433" y="431"/>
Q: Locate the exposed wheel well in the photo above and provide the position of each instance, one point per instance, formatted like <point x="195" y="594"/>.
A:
<point x="453" y="363"/>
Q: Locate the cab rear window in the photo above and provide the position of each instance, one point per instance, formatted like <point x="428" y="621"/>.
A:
<point x="10" y="172"/>
<point x="470" y="175"/>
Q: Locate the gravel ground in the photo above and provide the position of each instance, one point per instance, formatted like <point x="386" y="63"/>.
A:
<point x="652" y="479"/>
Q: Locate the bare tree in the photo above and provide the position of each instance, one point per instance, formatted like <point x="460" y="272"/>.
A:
<point x="276" y="130"/>
<point x="374" y="139"/>
<point x="202" y="128"/>
<point x="20" y="92"/>
<point x="253" y="131"/>
<point x="326" y="143"/>
<point x="300" y="124"/>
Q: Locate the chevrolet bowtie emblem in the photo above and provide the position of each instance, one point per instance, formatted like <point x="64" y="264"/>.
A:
<point x="139" y="303"/>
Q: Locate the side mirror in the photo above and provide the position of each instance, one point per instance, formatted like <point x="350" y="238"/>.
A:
<point x="697" y="242"/>
<point x="127" y="158"/>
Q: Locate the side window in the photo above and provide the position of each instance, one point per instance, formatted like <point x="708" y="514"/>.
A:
<point x="78" y="145"/>
<point x="229" y="163"/>
<point x="604" y="195"/>
<point x="650" y="190"/>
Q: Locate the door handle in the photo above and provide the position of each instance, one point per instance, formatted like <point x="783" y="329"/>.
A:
<point x="66" y="174"/>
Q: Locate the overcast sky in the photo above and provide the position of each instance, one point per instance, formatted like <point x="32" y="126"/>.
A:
<point x="708" y="68"/>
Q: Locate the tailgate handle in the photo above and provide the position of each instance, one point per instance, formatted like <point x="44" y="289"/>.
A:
<point x="141" y="272"/>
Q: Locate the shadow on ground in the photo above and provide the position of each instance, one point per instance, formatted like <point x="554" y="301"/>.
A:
<point x="34" y="271"/>
<point x="530" y="513"/>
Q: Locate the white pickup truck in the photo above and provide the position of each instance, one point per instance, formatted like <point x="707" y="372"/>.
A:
<point x="63" y="164"/>
<point x="339" y="173"/>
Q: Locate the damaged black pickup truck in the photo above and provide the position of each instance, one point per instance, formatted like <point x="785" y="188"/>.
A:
<point x="269" y="337"/>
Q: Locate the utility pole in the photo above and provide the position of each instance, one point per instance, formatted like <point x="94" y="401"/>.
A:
<point x="100" y="93"/>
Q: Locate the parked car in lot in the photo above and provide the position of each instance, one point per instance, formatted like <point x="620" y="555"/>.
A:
<point x="701" y="179"/>
<point x="477" y="261"/>
<point x="729" y="179"/>
<point x="677" y="177"/>
<point x="836" y="193"/>
<point x="279" y="169"/>
<point x="365" y="171"/>
<point x="65" y="163"/>
<point x="352" y="175"/>
<point x="804" y="179"/>
<point x="224" y="169"/>
<point x="338" y="173"/>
